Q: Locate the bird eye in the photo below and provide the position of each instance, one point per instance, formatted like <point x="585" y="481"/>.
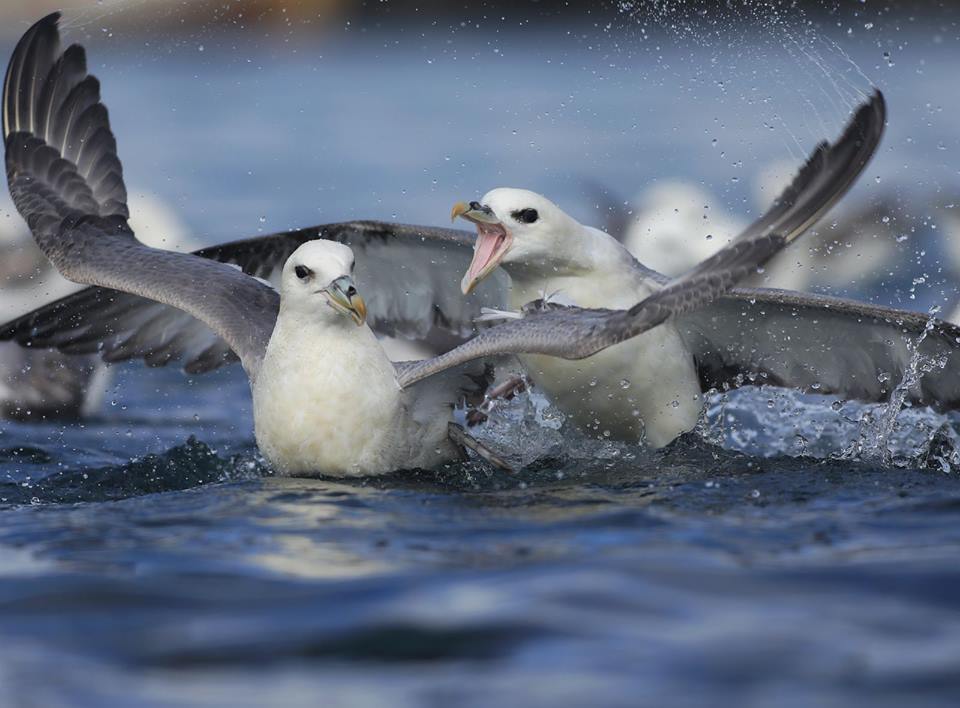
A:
<point x="526" y="216"/>
<point x="302" y="272"/>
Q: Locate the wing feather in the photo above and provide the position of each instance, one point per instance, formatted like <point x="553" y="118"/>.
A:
<point x="576" y="333"/>
<point x="66" y="180"/>
<point x="821" y="344"/>
<point x="408" y="274"/>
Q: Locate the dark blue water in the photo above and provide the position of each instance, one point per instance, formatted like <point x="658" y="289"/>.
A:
<point x="149" y="557"/>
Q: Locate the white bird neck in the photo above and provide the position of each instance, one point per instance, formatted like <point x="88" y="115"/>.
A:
<point x="333" y="343"/>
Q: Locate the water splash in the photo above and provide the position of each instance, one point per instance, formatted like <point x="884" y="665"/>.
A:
<point x="877" y="427"/>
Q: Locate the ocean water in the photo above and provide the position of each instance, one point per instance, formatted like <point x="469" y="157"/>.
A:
<point x="149" y="557"/>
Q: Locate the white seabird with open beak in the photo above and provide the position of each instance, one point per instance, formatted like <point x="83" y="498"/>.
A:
<point x="648" y="387"/>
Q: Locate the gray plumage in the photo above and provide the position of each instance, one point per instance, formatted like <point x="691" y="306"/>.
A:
<point x="576" y="333"/>
<point x="67" y="182"/>
<point x="416" y="296"/>
<point x="826" y="345"/>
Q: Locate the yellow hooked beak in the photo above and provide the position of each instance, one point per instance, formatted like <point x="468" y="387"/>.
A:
<point x="493" y="242"/>
<point x="475" y="212"/>
<point x="343" y="295"/>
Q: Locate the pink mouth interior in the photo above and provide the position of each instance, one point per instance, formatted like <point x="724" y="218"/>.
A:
<point x="490" y="238"/>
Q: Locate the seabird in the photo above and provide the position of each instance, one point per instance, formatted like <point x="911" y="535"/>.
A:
<point x="326" y="398"/>
<point x="648" y="387"/>
<point x="746" y="337"/>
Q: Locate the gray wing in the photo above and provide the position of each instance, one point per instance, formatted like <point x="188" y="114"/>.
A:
<point x="822" y="344"/>
<point x="409" y="276"/>
<point x="575" y="333"/>
<point x="67" y="182"/>
<point x="827" y="175"/>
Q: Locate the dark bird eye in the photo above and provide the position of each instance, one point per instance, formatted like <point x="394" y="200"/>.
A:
<point x="303" y="272"/>
<point x="526" y="216"/>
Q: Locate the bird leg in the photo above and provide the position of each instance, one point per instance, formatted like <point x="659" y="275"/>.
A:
<point x="462" y="438"/>
<point x="505" y="391"/>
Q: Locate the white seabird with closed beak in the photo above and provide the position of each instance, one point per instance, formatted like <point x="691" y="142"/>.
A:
<point x="326" y="398"/>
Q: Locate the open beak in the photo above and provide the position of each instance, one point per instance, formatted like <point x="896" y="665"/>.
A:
<point x="493" y="241"/>
<point x="343" y="295"/>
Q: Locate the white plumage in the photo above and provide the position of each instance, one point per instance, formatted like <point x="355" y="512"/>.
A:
<point x="646" y="387"/>
<point x="326" y="398"/>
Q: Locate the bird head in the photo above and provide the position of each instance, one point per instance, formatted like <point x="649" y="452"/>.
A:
<point x="513" y="226"/>
<point x="322" y="271"/>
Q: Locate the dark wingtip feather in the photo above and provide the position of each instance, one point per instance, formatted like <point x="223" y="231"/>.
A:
<point x="42" y="35"/>
<point x="50" y="103"/>
<point x="828" y="174"/>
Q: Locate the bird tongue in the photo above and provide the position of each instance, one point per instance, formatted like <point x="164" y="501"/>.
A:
<point x="489" y="238"/>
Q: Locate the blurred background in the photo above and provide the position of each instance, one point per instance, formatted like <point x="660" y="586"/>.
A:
<point x="147" y="556"/>
<point x="668" y="123"/>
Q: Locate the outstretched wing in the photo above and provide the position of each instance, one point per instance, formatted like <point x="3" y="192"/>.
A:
<point x="408" y="275"/>
<point x="829" y="172"/>
<point x="822" y="344"/>
<point x="67" y="182"/>
<point x="575" y="333"/>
